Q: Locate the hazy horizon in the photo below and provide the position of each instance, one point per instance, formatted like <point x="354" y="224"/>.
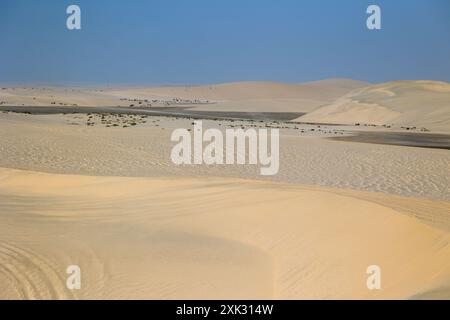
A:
<point x="162" y="85"/>
<point x="99" y="84"/>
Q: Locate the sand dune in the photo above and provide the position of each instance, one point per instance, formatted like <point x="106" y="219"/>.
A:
<point x="239" y="96"/>
<point x="321" y="90"/>
<point x="216" y="238"/>
<point x="253" y="96"/>
<point x="405" y="103"/>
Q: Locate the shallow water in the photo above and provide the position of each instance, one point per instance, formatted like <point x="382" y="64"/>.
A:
<point x="421" y="140"/>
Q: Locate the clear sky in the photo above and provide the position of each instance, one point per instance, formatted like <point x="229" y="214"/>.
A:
<point x="211" y="41"/>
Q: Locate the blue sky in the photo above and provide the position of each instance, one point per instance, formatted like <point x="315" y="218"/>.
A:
<point x="210" y="41"/>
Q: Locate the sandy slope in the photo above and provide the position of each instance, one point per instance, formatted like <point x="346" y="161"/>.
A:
<point x="320" y="90"/>
<point x="215" y="238"/>
<point x="253" y="96"/>
<point x="408" y="103"/>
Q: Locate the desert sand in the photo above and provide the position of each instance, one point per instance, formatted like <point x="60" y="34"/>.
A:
<point x="214" y="238"/>
<point x="66" y="144"/>
<point x="402" y="103"/>
<point x="100" y="191"/>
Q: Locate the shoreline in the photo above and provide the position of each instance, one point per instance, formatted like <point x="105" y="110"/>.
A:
<point x="419" y="140"/>
<point x="406" y="139"/>
<point x="158" y="111"/>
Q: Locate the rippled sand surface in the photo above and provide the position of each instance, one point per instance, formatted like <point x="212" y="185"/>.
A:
<point x="216" y="238"/>
<point x="110" y="201"/>
<point x="64" y="144"/>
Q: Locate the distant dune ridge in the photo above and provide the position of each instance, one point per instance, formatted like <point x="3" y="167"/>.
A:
<point x="417" y="103"/>
<point x="409" y="103"/>
<point x="251" y="96"/>
<point x="324" y="89"/>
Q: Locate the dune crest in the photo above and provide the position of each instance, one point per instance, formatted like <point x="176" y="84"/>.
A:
<point x="402" y="103"/>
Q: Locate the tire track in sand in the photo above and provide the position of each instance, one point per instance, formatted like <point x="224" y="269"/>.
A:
<point x="32" y="276"/>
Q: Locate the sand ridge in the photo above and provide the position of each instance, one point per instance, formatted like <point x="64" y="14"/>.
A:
<point x="131" y="242"/>
<point x="406" y="103"/>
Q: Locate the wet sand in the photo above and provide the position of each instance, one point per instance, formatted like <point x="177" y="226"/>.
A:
<point x="421" y="140"/>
